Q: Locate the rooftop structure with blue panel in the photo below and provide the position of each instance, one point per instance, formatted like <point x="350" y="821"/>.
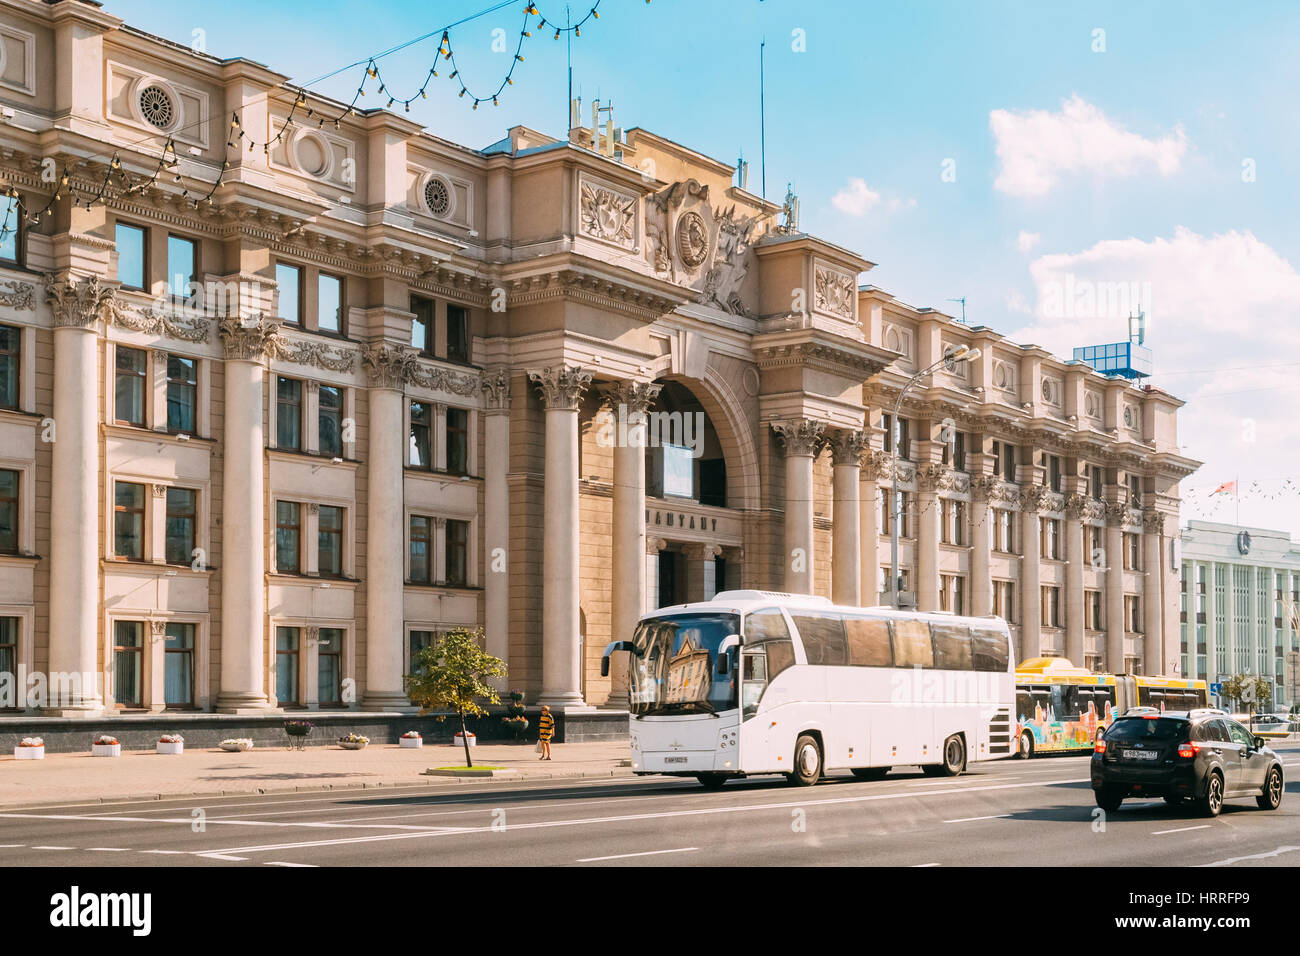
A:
<point x="1119" y="358"/>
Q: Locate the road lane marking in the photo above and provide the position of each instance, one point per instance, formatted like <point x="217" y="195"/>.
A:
<point x="108" y="849"/>
<point x="312" y="865"/>
<point x="918" y="866"/>
<point x="1254" y="856"/>
<point x="164" y="852"/>
<point x="225" y="821"/>
<point x="624" y="856"/>
<point x="667" y="814"/>
<point x="1203" y="826"/>
<point x="11" y="846"/>
<point x="993" y="816"/>
<point x="221" y="856"/>
<point x="52" y="848"/>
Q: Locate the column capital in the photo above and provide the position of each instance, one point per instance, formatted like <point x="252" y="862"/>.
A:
<point x="562" y="386"/>
<point x="802" y="437"/>
<point x="875" y="465"/>
<point x="847" y="446"/>
<point x="1033" y="498"/>
<point x="247" y="337"/>
<point x="77" y="303"/>
<point x="933" y="476"/>
<point x="984" y="487"/>
<point x="702" y="552"/>
<point x="496" y="390"/>
<point x="1117" y="513"/>
<point x="654" y="545"/>
<point x="1076" y="507"/>
<point x="1153" y="522"/>
<point x="388" y="366"/>
<point x="636" y="396"/>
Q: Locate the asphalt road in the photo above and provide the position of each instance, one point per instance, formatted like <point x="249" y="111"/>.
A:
<point x="1039" y="812"/>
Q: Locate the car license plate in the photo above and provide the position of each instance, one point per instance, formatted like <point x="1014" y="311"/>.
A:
<point x="1140" y="755"/>
<point x="674" y="760"/>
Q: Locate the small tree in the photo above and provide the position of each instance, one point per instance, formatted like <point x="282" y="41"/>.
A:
<point x="1248" y="689"/>
<point x="452" y="674"/>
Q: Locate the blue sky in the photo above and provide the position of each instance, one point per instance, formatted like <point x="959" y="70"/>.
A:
<point x="1117" y="166"/>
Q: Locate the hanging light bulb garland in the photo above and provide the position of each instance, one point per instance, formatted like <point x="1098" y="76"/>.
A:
<point x="574" y="28"/>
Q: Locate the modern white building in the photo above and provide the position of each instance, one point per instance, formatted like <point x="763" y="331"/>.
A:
<point x="1238" y="587"/>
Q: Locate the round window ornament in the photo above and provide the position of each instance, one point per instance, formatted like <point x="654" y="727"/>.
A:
<point x="1047" y="390"/>
<point x="1128" y="417"/>
<point x="437" y="196"/>
<point x="692" y="239"/>
<point x="156" y="107"/>
<point x="1000" y="375"/>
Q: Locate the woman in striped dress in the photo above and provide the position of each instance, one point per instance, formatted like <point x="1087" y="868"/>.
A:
<point x="545" y="731"/>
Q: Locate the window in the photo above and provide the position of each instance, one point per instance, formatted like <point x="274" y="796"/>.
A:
<point x="1095" y="481"/>
<point x="904" y="433"/>
<point x="128" y="674"/>
<point x="288" y="413"/>
<point x="823" y="638"/>
<point x="182" y="519"/>
<point x="11" y="224"/>
<point x="131" y="256"/>
<point x="182" y="392"/>
<point x="1051" y="616"/>
<point x="457" y="333"/>
<point x="1135" y="491"/>
<point x="952" y="521"/>
<point x="421" y="435"/>
<point x="990" y="649"/>
<point x="1132" y="554"/>
<point x="181" y="263"/>
<point x="422" y="324"/>
<point x="9" y="657"/>
<point x="952" y="593"/>
<point x="329" y="303"/>
<point x="457" y="441"/>
<point x="288" y="282"/>
<point x="1092" y="619"/>
<point x="288" y="529"/>
<point x="1004" y="460"/>
<point x="457" y="552"/>
<point x="178" y="666"/>
<point x="954" y="452"/>
<point x="128" y="388"/>
<point x="1050" y="538"/>
<point x="128" y="521"/>
<point x="1133" y="613"/>
<point x="329" y="667"/>
<point x="1096" y="550"/>
<point x="421" y="548"/>
<point x="329" y="538"/>
<point x="912" y="644"/>
<point x="417" y="642"/>
<point x="1004" y="600"/>
<point x="11" y="344"/>
<point x="329" y="421"/>
<point x="1053" y="465"/>
<point x="952" y="650"/>
<point x="868" y="641"/>
<point x="1004" y="531"/>
<point x="902" y="505"/>
<point x="286" y="665"/>
<point x="9" y="506"/>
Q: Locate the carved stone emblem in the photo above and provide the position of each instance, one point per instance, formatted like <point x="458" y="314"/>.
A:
<point x="834" y="292"/>
<point x="692" y="239"/>
<point x="608" y="215"/>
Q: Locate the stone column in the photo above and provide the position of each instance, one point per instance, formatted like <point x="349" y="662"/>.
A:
<point x="981" y="539"/>
<point x="496" y="516"/>
<point x="78" y="306"/>
<point x="846" y="519"/>
<point x="802" y="439"/>
<point x="652" y="548"/>
<point x="875" y="466"/>
<point x="930" y="478"/>
<point x="1075" y="506"/>
<point x="628" y="580"/>
<point x="388" y="368"/>
<point x="1153" y="641"/>
<point x="1031" y="595"/>
<point x="700" y="571"/>
<point x="562" y="389"/>
<point x="243" y="585"/>
<point x="1116" y="515"/>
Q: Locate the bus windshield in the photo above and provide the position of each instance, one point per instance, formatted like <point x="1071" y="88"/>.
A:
<point x="674" y="665"/>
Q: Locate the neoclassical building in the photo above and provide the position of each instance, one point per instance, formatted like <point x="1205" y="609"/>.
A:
<point x="287" y="389"/>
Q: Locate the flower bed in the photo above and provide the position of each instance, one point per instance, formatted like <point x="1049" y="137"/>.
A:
<point x="106" y="745"/>
<point x="171" y="744"/>
<point x="30" y="748"/>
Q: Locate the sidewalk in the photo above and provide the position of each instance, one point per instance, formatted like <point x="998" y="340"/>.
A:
<point x="81" y="778"/>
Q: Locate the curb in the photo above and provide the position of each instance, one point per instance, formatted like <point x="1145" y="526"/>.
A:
<point x="430" y="781"/>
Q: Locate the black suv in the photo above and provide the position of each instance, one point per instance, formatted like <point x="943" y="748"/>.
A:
<point x="1202" y="756"/>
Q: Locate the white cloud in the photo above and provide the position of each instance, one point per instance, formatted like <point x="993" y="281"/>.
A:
<point x="856" y="199"/>
<point x="1037" y="147"/>
<point x="1027" y="240"/>
<point x="1224" y="328"/>
<point x="1016" y="302"/>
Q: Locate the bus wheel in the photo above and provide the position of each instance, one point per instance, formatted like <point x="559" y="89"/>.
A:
<point x="1025" y="749"/>
<point x="954" y="756"/>
<point x="807" y="762"/>
<point x="871" y="773"/>
<point x="711" y="781"/>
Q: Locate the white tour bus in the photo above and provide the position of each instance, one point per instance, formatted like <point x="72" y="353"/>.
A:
<point x="757" y="682"/>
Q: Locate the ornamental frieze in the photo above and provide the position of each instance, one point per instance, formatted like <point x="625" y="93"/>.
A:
<point x="20" y="296"/>
<point x="932" y="476"/>
<point x="155" y="321"/>
<point x="319" y="354"/>
<point x="77" y="304"/>
<point x="439" y="379"/>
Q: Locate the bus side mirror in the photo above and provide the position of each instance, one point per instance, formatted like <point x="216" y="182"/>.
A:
<point x="724" y="665"/>
<point x="610" y="649"/>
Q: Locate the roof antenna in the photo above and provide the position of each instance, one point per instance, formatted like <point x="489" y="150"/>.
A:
<point x="762" y="118"/>
<point x="962" y="300"/>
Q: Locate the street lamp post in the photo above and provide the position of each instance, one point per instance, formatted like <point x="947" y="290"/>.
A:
<point x="951" y="356"/>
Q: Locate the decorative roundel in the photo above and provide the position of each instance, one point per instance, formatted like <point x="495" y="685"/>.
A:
<point x="1243" y="542"/>
<point x="893" y="341"/>
<point x="1128" y="416"/>
<point x="1047" y="390"/>
<point x="692" y="239"/>
<point x="1090" y="404"/>
<point x="1000" y="375"/>
<point x="437" y="196"/>
<point x="156" y="107"/>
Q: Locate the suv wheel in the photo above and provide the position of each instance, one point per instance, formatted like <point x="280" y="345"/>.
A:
<point x="1109" y="799"/>
<point x="1212" y="802"/>
<point x="1271" y="798"/>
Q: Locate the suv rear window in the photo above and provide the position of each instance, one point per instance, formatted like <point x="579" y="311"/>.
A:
<point x="1147" y="728"/>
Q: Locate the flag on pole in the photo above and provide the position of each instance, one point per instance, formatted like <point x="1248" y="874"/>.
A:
<point x="1228" y="487"/>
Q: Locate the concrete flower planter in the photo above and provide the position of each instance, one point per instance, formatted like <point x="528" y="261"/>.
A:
<point x="106" y="750"/>
<point x="459" y="741"/>
<point x="166" y="748"/>
<point x="410" y="743"/>
<point x="29" y="753"/>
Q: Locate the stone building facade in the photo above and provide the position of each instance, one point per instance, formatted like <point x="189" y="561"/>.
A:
<point x="275" y="413"/>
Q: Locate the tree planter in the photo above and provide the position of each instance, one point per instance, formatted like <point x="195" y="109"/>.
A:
<point x="459" y="741"/>
<point x="29" y="753"/>
<point x="171" y="748"/>
<point x="106" y="750"/>
<point x="410" y="743"/>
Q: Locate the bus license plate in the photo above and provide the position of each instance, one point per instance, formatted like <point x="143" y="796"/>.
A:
<point x="1140" y="755"/>
<point x="674" y="760"/>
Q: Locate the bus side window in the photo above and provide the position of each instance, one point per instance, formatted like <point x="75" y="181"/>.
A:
<point x="911" y="643"/>
<point x="951" y="646"/>
<point x="823" y="637"/>
<point x="868" y="642"/>
<point x="989" y="649"/>
<point x="767" y="629"/>
<point x="1104" y="695"/>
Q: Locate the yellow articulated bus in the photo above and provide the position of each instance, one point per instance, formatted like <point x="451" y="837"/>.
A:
<point x="1060" y="707"/>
